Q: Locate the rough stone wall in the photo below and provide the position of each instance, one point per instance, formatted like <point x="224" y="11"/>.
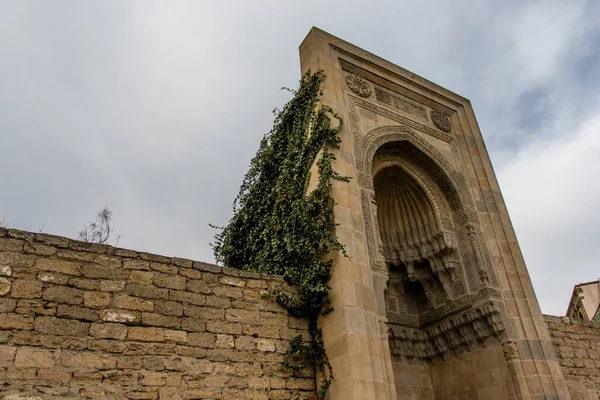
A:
<point x="577" y="345"/>
<point x="82" y="320"/>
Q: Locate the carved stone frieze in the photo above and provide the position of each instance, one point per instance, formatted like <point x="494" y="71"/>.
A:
<point x="463" y="332"/>
<point x="510" y="347"/>
<point x="359" y="85"/>
<point x="394" y="116"/>
<point x="400" y="104"/>
<point x="441" y="120"/>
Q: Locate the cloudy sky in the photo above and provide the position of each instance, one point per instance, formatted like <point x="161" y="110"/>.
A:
<point x="154" y="109"/>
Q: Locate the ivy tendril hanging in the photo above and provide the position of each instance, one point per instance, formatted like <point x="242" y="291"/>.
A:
<point x="281" y="227"/>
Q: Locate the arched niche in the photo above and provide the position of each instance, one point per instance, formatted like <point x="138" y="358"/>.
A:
<point x="426" y="249"/>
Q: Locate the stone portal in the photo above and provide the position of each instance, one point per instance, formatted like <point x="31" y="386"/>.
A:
<point x="434" y="300"/>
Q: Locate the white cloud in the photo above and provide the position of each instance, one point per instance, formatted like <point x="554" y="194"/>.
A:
<point x="551" y="191"/>
<point x="155" y="109"/>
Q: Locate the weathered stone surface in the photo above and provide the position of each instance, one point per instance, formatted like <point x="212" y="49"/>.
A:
<point x="108" y="331"/>
<point x="33" y="357"/>
<point x="120" y="316"/>
<point x="63" y="267"/>
<point x="5" y="285"/>
<point x="132" y="303"/>
<point x="97" y="300"/>
<point x="26" y="289"/>
<point x="96" y="322"/>
<point x="61" y="327"/>
<point x="146" y="334"/>
<point x="63" y="294"/>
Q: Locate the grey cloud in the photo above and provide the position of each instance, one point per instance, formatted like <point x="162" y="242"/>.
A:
<point x="156" y="109"/>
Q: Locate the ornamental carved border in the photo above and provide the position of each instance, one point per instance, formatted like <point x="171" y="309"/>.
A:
<point x="464" y="332"/>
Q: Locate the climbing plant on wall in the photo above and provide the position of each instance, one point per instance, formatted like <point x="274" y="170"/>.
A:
<point x="281" y="226"/>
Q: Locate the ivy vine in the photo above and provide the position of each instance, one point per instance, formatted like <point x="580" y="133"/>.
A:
<point x="281" y="227"/>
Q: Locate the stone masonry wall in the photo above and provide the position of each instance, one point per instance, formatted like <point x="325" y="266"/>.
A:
<point x="81" y="320"/>
<point x="577" y="345"/>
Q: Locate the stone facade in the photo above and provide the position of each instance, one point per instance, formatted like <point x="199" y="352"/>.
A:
<point x="434" y="300"/>
<point x="578" y="348"/>
<point x="82" y="320"/>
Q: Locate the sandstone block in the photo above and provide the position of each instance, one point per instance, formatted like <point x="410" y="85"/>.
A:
<point x="168" y="307"/>
<point x="175" y="336"/>
<point x="136" y="264"/>
<point x="265" y="345"/>
<point x="61" y="266"/>
<point x="190" y="273"/>
<point x="268" y="318"/>
<point x="29" y="357"/>
<point x="61" y="327"/>
<point x="206" y="340"/>
<point x="39" y="249"/>
<point x="149" y="348"/>
<point x="301" y="383"/>
<point x="120" y="316"/>
<point x="16" y="259"/>
<point x="182" y="262"/>
<point x="11" y="321"/>
<point x="271" y="332"/>
<point x="202" y="394"/>
<point x="193" y="325"/>
<point x="199" y="286"/>
<point x="146" y="334"/>
<point x="108" y="346"/>
<point x="232" y="281"/>
<point x="127" y="302"/>
<point x="206" y="313"/>
<point x="104" y="272"/>
<point x="53" y="277"/>
<point x="224" y="342"/>
<point x="224" y="327"/>
<point x="88" y="361"/>
<point x="7" y="355"/>
<point x="10" y="245"/>
<point x="129" y="362"/>
<point x="259" y="382"/>
<point x="63" y="294"/>
<point x="150" y="378"/>
<point x="235" y="315"/>
<point x="169" y="281"/>
<point x="7" y="305"/>
<point x="77" y="313"/>
<point x="154" y="363"/>
<point x="229" y="292"/>
<point x="153" y="319"/>
<point x="141" y="277"/>
<point x="96" y="300"/>
<point x="196" y="352"/>
<point x="108" y="331"/>
<point x="5" y="285"/>
<point x="83" y="283"/>
<point x="54" y="375"/>
<point x="218" y="302"/>
<point x="148" y="292"/>
<point x="187" y="297"/>
<point x="26" y="289"/>
<point x="163" y="267"/>
<point x="112" y="286"/>
<point x="245" y="343"/>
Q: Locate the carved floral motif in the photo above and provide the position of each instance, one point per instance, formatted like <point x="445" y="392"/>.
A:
<point x="441" y="120"/>
<point x="358" y="85"/>
<point x="510" y="349"/>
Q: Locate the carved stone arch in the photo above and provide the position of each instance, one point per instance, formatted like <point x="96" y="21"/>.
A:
<point x="450" y="181"/>
<point x="443" y="185"/>
<point x="440" y="207"/>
